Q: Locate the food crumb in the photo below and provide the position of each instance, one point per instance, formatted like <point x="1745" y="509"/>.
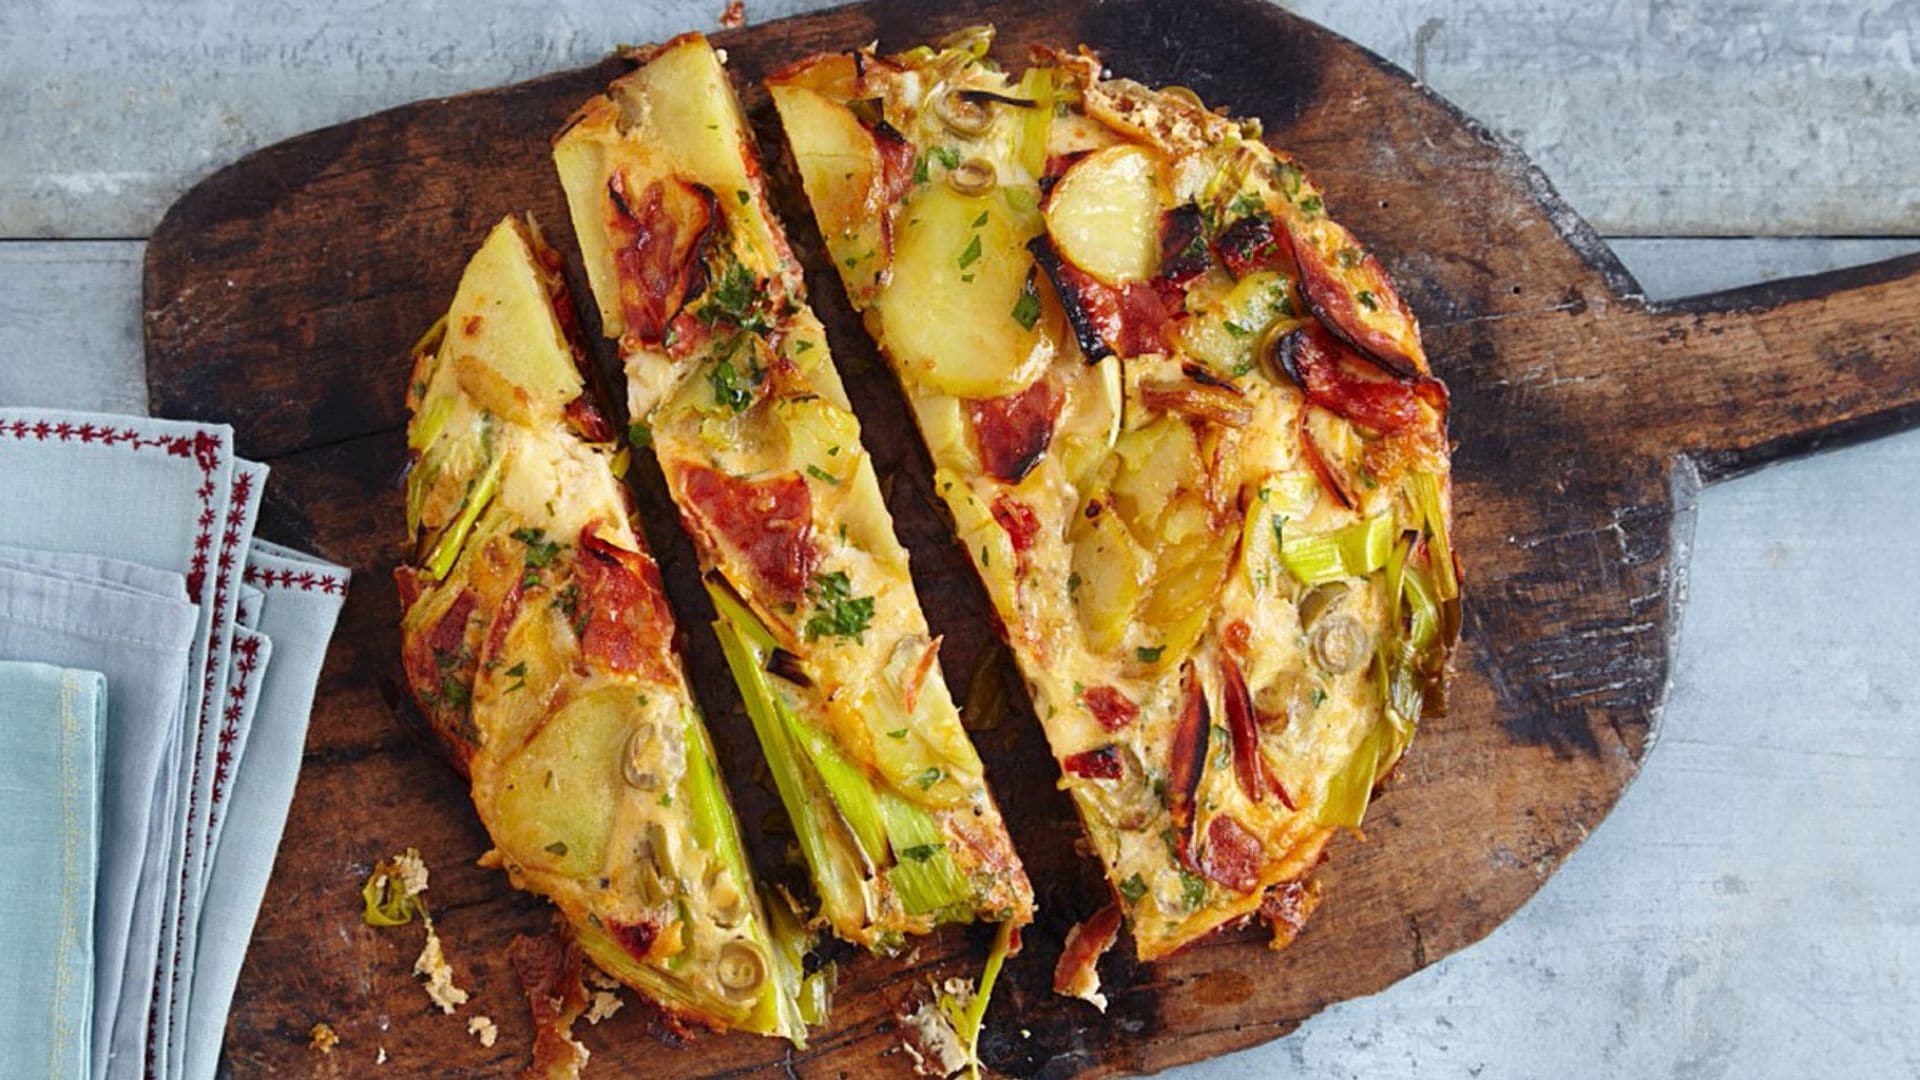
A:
<point x="929" y="1038"/>
<point x="604" y="1004"/>
<point x="381" y="1057"/>
<point x="324" y="1038"/>
<point x="439" y="974"/>
<point x="735" y="15"/>
<point x="484" y="1027"/>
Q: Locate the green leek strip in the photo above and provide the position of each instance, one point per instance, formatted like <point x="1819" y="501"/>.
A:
<point x="1426" y="496"/>
<point x="847" y="784"/>
<point x="1036" y="86"/>
<point x="924" y="874"/>
<point x="834" y="873"/>
<point x="1425" y="621"/>
<point x="429" y="421"/>
<point x="1351" y="551"/>
<point x="447" y="548"/>
<point x="970" y="1022"/>
<point x="805" y="999"/>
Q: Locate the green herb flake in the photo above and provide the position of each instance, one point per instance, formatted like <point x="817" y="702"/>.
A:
<point x="1246" y="204"/>
<point x="731" y="387"/>
<point x="558" y="847"/>
<point x="979" y="221"/>
<point x="1318" y="697"/>
<point x="1310" y="205"/>
<point x="822" y="475"/>
<point x="1236" y="329"/>
<point x="897" y="733"/>
<point x="540" y="550"/>
<point x="920" y="169"/>
<point x="1073" y="584"/>
<point x="972" y="253"/>
<point x="803" y="345"/>
<point x="932" y="776"/>
<point x="1349" y="258"/>
<point x="1193" y="889"/>
<point x="1133" y="889"/>
<point x="836" y="611"/>
<point x="640" y="434"/>
<point x="946" y="155"/>
<point x="1149" y="656"/>
<point x="743" y="196"/>
<point x="1367" y="300"/>
<point x="517" y="671"/>
<point x="1026" y="310"/>
<point x="922" y="852"/>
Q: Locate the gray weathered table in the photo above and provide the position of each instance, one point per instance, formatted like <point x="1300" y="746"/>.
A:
<point x="1752" y="908"/>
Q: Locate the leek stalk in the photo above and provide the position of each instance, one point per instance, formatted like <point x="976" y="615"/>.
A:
<point x="1425" y="489"/>
<point x="447" y="549"/>
<point x="1350" y="551"/>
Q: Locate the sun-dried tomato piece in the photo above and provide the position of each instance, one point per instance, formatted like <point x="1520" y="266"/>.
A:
<point x="1110" y="707"/>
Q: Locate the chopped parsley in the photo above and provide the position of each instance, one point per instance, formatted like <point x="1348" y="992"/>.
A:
<point x="946" y="155"/>
<point x="932" y="776"/>
<point x="1149" y="656"/>
<point x="922" y="852"/>
<point x="836" y="611"/>
<point x="742" y="196"/>
<point x="1310" y="205"/>
<point x="640" y="433"/>
<point x="558" y="847"/>
<point x="731" y="387"/>
<point x="802" y="345"/>
<point x="1026" y="310"/>
<point x="1073" y="584"/>
<point x="1318" y="697"/>
<point x="822" y="475"/>
<point x="540" y="550"/>
<point x="972" y="253"/>
<point x="732" y="297"/>
<point x="920" y="169"/>
<point x="1133" y="889"/>
<point x="1246" y="204"/>
<point x="897" y="733"/>
<point x="1366" y="298"/>
<point x="1235" y="328"/>
<point x="1193" y="889"/>
<point x="1349" y="258"/>
<point x="517" y="671"/>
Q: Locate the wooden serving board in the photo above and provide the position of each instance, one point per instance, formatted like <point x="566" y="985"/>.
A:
<point x="282" y="295"/>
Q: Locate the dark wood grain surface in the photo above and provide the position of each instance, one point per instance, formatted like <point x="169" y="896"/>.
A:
<point x="282" y="294"/>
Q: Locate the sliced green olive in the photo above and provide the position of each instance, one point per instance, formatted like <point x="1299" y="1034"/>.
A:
<point x="1338" y="643"/>
<point x="727" y="903"/>
<point x="974" y="176"/>
<point x="963" y="115"/>
<point x="1321" y="600"/>
<point x="637" y="763"/>
<point x="741" y="968"/>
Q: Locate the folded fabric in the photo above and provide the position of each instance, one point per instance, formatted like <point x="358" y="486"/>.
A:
<point x="155" y="492"/>
<point x="242" y="505"/>
<point x="246" y="677"/>
<point x="133" y="624"/>
<point x="303" y="596"/>
<point x="49" y="791"/>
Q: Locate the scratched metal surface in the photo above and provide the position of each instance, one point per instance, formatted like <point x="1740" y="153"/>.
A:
<point x="1748" y="910"/>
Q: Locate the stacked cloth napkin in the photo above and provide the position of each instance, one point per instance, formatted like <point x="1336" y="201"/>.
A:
<point x="157" y="666"/>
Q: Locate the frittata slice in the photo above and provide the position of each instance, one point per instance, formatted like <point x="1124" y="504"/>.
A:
<point x="1185" y="427"/>
<point x="538" y="644"/>
<point x="731" y="381"/>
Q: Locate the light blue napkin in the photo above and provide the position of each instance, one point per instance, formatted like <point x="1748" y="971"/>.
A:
<point x="303" y="596"/>
<point x="155" y="492"/>
<point x="132" y="623"/>
<point x="49" y="831"/>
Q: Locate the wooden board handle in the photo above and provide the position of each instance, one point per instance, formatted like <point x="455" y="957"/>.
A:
<point x="1755" y="375"/>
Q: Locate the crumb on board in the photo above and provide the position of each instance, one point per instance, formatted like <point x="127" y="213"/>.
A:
<point x="484" y="1027"/>
<point x="432" y="964"/>
<point x="603" y="1004"/>
<point x="381" y="1057"/>
<point x="324" y="1037"/>
<point x="929" y="1038"/>
<point x="734" y="16"/>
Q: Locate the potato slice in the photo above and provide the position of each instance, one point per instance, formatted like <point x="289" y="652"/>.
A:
<point x="960" y="268"/>
<point x="1104" y="215"/>
<point x="1110" y="568"/>
<point x="840" y="168"/>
